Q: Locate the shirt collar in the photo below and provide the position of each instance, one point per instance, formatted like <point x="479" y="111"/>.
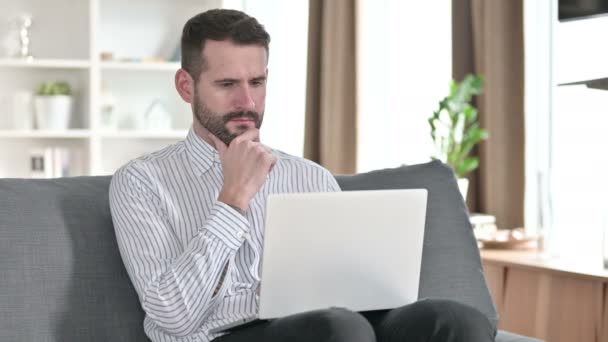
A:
<point x="202" y="155"/>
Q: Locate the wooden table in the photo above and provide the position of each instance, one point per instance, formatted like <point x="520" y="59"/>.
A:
<point x="554" y="299"/>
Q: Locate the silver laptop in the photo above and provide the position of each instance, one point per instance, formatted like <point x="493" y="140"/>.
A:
<point x="359" y="250"/>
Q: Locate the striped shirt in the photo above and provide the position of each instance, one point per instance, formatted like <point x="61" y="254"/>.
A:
<point x="176" y="240"/>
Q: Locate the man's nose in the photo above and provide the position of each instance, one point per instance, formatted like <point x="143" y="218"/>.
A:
<point x="244" y="99"/>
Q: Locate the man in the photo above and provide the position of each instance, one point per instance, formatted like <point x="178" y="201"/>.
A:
<point x="189" y="218"/>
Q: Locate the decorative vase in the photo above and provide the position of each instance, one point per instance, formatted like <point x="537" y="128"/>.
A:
<point x="157" y="117"/>
<point x="53" y="112"/>
<point x="463" y="186"/>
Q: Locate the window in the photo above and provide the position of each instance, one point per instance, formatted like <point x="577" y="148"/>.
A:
<point x="287" y="24"/>
<point x="401" y="78"/>
<point x="567" y="126"/>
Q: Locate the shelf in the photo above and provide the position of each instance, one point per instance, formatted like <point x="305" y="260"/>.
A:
<point x="141" y="66"/>
<point x="45" y="63"/>
<point x="44" y="134"/>
<point x="172" y="134"/>
<point x="85" y="133"/>
<point x="97" y="47"/>
<point x="84" y="64"/>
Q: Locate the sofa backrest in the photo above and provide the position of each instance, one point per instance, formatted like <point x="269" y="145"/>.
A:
<point x="62" y="278"/>
<point x="61" y="275"/>
<point x="451" y="265"/>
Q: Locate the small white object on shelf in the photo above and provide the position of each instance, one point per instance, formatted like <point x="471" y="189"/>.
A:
<point x="53" y="112"/>
<point x="22" y="110"/>
<point x="61" y="162"/>
<point x="156" y="117"/>
<point x="478" y="219"/>
<point x="107" y="109"/>
<point x="484" y="225"/>
<point x="24" y="36"/>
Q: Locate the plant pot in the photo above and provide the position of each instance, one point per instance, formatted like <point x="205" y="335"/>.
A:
<point x="463" y="186"/>
<point x="53" y="112"/>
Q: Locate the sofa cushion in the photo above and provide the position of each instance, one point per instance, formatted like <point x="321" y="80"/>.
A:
<point x="451" y="265"/>
<point x="61" y="275"/>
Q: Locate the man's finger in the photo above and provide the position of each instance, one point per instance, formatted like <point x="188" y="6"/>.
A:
<point x="274" y="162"/>
<point x="219" y="145"/>
<point x="252" y="134"/>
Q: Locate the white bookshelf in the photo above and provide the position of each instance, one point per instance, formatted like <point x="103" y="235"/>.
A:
<point x="141" y="66"/>
<point x="45" y="63"/>
<point x="141" y="134"/>
<point x="46" y="134"/>
<point x="67" y="40"/>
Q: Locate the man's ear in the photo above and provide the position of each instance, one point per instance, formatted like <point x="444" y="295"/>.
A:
<point x="184" y="85"/>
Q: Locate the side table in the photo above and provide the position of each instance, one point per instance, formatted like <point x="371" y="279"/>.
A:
<point x="554" y="299"/>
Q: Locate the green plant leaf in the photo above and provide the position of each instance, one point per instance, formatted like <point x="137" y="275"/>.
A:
<point x="433" y="127"/>
<point x="54" y="88"/>
<point x="466" y="166"/>
<point x="470" y="114"/>
<point x="458" y="120"/>
<point x="475" y="134"/>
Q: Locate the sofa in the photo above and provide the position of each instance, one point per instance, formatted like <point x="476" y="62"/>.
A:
<point x="62" y="278"/>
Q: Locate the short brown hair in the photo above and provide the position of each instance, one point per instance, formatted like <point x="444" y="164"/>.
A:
<point x="218" y="24"/>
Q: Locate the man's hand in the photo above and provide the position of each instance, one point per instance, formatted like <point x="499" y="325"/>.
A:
<point x="246" y="164"/>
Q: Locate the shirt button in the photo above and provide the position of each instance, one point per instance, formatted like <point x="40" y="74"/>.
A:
<point x="241" y="235"/>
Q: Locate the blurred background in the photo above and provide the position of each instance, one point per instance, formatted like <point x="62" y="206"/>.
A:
<point x="87" y="85"/>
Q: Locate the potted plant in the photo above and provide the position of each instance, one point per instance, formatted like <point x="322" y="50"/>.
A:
<point x="53" y="105"/>
<point x="455" y="129"/>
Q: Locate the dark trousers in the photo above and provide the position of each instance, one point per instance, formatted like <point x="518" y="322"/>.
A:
<point x="425" y="320"/>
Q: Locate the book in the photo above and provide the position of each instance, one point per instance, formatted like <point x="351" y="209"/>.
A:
<point x="61" y="162"/>
<point x="50" y="162"/>
<point x="37" y="163"/>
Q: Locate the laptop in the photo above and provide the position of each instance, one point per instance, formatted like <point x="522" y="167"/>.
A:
<point x="360" y="250"/>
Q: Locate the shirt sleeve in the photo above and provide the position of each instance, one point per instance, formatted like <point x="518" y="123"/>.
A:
<point x="177" y="284"/>
<point x="331" y="184"/>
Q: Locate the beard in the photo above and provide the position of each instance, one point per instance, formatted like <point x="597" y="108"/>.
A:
<point x="215" y="123"/>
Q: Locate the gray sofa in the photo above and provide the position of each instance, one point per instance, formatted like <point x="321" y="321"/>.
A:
<point x="62" y="279"/>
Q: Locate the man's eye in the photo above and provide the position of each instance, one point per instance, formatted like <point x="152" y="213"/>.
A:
<point x="257" y="83"/>
<point x="226" y="84"/>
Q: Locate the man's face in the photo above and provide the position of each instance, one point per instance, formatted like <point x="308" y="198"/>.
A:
<point x="229" y="97"/>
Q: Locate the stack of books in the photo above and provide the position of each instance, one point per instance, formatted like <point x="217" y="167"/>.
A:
<point x="50" y="162"/>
